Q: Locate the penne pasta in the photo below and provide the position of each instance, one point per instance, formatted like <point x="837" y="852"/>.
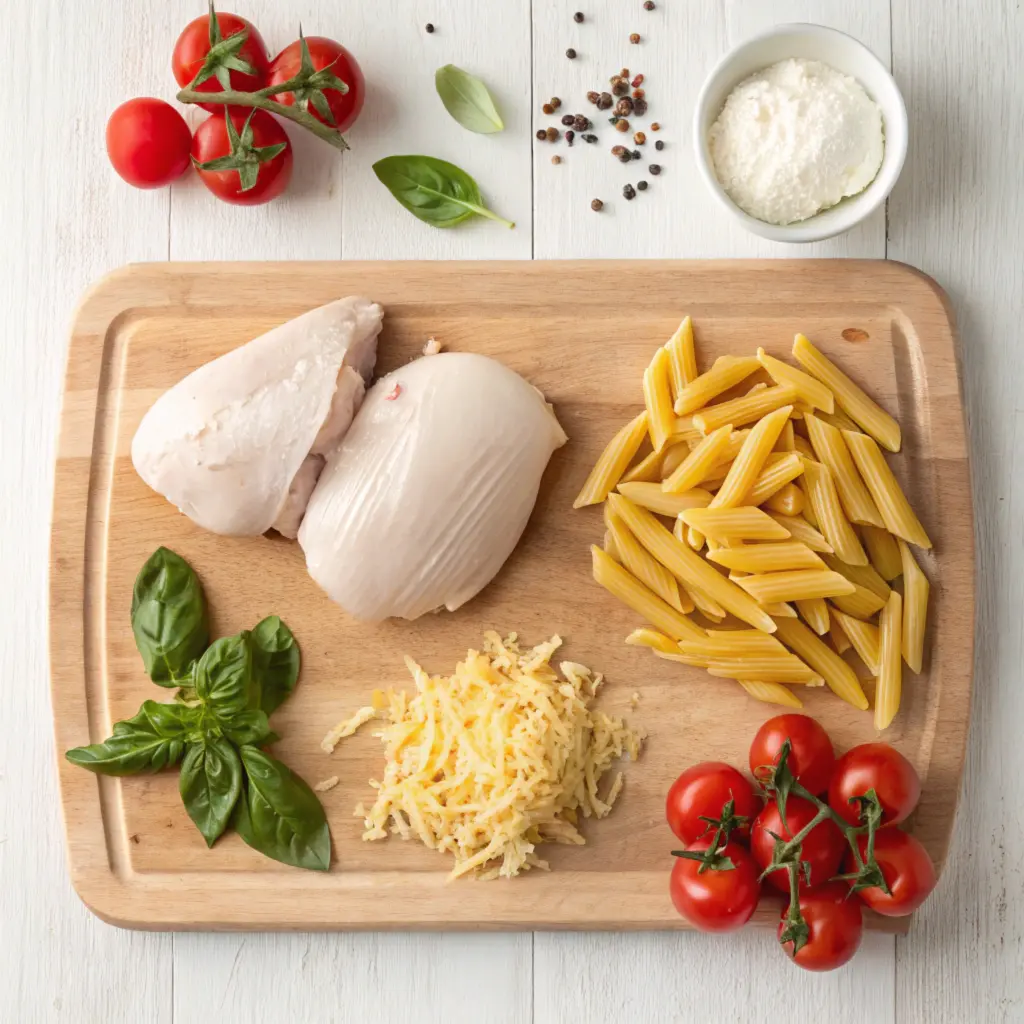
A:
<point x="709" y="608"/>
<point x="617" y="455"/>
<point x="751" y="459"/>
<point x="744" y="523"/>
<point x="683" y="659"/>
<point x="647" y="569"/>
<point x="684" y="430"/>
<point x="799" y="529"/>
<point x="631" y="592"/>
<point x="661" y="419"/>
<point x="795" y="585"/>
<point x="776" y="668"/>
<point x="673" y="457"/>
<point x="788" y="500"/>
<point x="644" y="637"/>
<point x="748" y="409"/>
<point x="832" y="452"/>
<point x="840" y="641"/>
<point x="837" y="419"/>
<point x="863" y="575"/>
<point x="839" y="676"/>
<point x="780" y="610"/>
<point x="808" y="390"/>
<point x="883" y="551"/>
<point x="648" y="469"/>
<point x="892" y="503"/>
<point x="651" y="496"/>
<point x="862" y="636"/>
<point x="890" y="674"/>
<point x="695" y="539"/>
<point x="771" y="693"/>
<point x="730" y="645"/>
<point x="785" y="442"/>
<point x="682" y="357"/>
<point x="814" y="612"/>
<point x="696" y="466"/>
<point x="824" y="500"/>
<point x="915" y="609"/>
<point x="851" y="399"/>
<point x="861" y="604"/>
<point x="803" y="446"/>
<point x="726" y="373"/>
<point x="779" y="470"/>
<point x="686" y="565"/>
<point x="770" y="557"/>
<point x="610" y="547"/>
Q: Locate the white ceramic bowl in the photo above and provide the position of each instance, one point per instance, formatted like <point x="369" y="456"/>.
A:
<point x="840" y="51"/>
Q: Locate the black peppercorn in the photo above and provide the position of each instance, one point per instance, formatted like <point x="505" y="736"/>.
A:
<point x="569" y="136"/>
<point x="640" y="107"/>
<point x="578" y="17"/>
<point x="636" y="154"/>
<point x="580" y="123"/>
<point x="655" y="169"/>
<point x="618" y="150"/>
<point x="629" y="192"/>
<point x="589" y="138"/>
<point x="596" y="204"/>
<point x="659" y="145"/>
<point x="619" y="86"/>
<point x="624" y="107"/>
<point x="567" y="119"/>
<point x="541" y="134"/>
<point x="605" y="101"/>
<point x="552" y="134"/>
<point x="642" y="185"/>
<point x="570" y="53"/>
<point x="648" y="5"/>
<point x="430" y="28"/>
<point x="593" y="97"/>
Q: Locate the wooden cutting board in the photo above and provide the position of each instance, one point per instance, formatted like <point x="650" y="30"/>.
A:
<point x="582" y="332"/>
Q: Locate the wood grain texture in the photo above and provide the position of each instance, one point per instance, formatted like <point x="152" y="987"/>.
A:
<point x="135" y="858"/>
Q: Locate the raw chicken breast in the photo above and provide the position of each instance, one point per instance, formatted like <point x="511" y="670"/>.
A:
<point x="238" y="444"/>
<point x="431" y="488"/>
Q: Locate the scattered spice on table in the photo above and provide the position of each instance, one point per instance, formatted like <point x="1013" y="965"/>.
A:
<point x="590" y="138"/>
<point x="556" y="159"/>
<point x="636" y="154"/>
<point x="596" y="204"/>
<point x="642" y="186"/>
<point x="640" y="107"/>
<point x="553" y="134"/>
<point x="629" y="192"/>
<point x="624" y="107"/>
<point x="593" y="97"/>
<point x="567" y="119"/>
<point x="639" y="94"/>
<point x="634" y="38"/>
<point x="622" y="125"/>
<point x="605" y="101"/>
<point x="648" y="5"/>
<point x="622" y="153"/>
<point x="541" y="134"/>
<point x="581" y="123"/>
<point x="430" y="28"/>
<point x="548" y="108"/>
<point x="655" y="169"/>
<point x="578" y="17"/>
<point x="639" y="138"/>
<point x="570" y="53"/>
<point x="619" y="85"/>
<point x="570" y="135"/>
<point x="655" y="127"/>
<point x="637" y="82"/>
<point x="659" y="145"/>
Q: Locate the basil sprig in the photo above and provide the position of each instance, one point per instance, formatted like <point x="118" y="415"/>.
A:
<point x="466" y="98"/>
<point x="226" y="691"/>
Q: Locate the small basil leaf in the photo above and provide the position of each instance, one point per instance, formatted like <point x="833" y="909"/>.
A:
<point x="248" y="727"/>
<point x="466" y="98"/>
<point x="210" y="784"/>
<point x="435" y="191"/>
<point x="223" y="677"/>
<point x="280" y="816"/>
<point x="153" y="739"/>
<point x="275" y="658"/>
<point x="168" y="617"/>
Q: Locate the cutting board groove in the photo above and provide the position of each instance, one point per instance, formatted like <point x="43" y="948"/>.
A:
<point x="582" y="332"/>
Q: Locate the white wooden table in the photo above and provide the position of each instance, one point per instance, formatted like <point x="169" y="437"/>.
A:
<point x="65" y="219"/>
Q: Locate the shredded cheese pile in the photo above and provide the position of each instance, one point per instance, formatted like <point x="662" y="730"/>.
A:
<point x="494" y="760"/>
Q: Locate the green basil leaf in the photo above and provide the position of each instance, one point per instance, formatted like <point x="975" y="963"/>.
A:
<point x="154" y="739"/>
<point x="466" y="98"/>
<point x="437" y="192"/>
<point x="280" y="816"/>
<point x="248" y="727"/>
<point x="210" y="784"/>
<point x="168" y="617"/>
<point x="276" y="660"/>
<point x="223" y="677"/>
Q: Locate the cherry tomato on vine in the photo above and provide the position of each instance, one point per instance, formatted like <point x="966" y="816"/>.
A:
<point x="879" y="767"/>
<point x="325" y="53"/>
<point x="811" y="758"/>
<point x="835" y="927"/>
<point x="822" y="848"/>
<point x="716" y="900"/>
<point x="704" y="790"/>
<point x="906" y="868"/>
<point x="148" y="142"/>
<point x="253" y="146"/>
<point x="195" y="43"/>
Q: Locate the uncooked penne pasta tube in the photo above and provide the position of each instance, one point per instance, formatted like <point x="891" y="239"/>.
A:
<point x="816" y="653"/>
<point x="771" y="557"/>
<point x="610" y="547"/>
<point x="889" y="497"/>
<point x="771" y="693"/>
<point x="824" y="500"/>
<point x="883" y="551"/>
<point x="682" y="357"/>
<point x="744" y="523"/>
<point x="863" y="575"/>
<point x="645" y="637"/>
<point x="915" y="609"/>
<point x="840" y="641"/>
<point x="645" y="567"/>
<point x="780" y="610"/>
<point x="722" y="376"/>
<point x="863" y="636"/>
<point x="851" y="399"/>
<point x="778" y="471"/>
<point x="648" y="469"/>
<point x="803" y="446"/>
<point x="705" y="605"/>
<point x="696" y="466"/>
<point x="861" y="604"/>
<point x="617" y="455"/>
<point x="795" y="585"/>
<point x="832" y="452"/>
<point x="808" y="389"/>
<point x="751" y="459"/>
<point x="658" y="400"/>
<point x="799" y="529"/>
<point x="890" y="667"/>
<point x="747" y="409"/>
<point x="652" y="497"/>
<point x="673" y="457"/>
<point x="785" y="442"/>
<point x="777" y="668"/>
<point x="731" y="645"/>
<point x="837" y="419"/>
<point x="686" y="565"/>
<point x="788" y="500"/>
<point x="684" y="430"/>
<point x="631" y="592"/>
<point x="814" y="612"/>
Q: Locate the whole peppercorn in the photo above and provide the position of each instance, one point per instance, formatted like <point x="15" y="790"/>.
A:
<point x="430" y="28"/>
<point x="629" y="192"/>
<point x="659" y="145"/>
<point x="638" y="81"/>
<point x="590" y="138"/>
<point x="634" y="37"/>
<point x="624" y="73"/>
<point x="642" y="186"/>
<point x="655" y="169"/>
<point x="569" y="136"/>
<point x="596" y="204"/>
<point x="622" y="125"/>
<point x="548" y="109"/>
<point x="556" y="159"/>
<point x="580" y="123"/>
<point x="594" y="97"/>
<point x="636" y="154"/>
<point x="605" y="101"/>
<point x="570" y="53"/>
<point x="620" y="86"/>
<point x="639" y="94"/>
<point x="567" y="119"/>
<point x="639" y="107"/>
<point x="621" y="153"/>
<point x="552" y="134"/>
<point x="648" y="5"/>
<point x="555" y="102"/>
<point x="578" y="17"/>
<point x="624" y="107"/>
<point x="639" y="138"/>
<point x="655" y="127"/>
<point x="541" y="134"/>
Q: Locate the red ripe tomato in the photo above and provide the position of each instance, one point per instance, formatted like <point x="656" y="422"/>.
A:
<point x="325" y="53"/>
<point x="835" y="927"/>
<point x="822" y="847"/>
<point x="811" y="757"/>
<point x="704" y="789"/>
<point x="879" y="767"/>
<point x="148" y="142"/>
<point x="716" y="900"/>
<point x="906" y="868"/>
<point x="194" y="44"/>
<point x="211" y="142"/>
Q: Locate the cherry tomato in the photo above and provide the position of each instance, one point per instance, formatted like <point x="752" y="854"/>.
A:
<point x="212" y="141"/>
<point x="879" y="767"/>
<point x="822" y="847"/>
<point x="811" y="758"/>
<point x="906" y="868"/>
<point x="703" y="790"/>
<point x="194" y="44"/>
<point x="835" y="927"/>
<point x="148" y="142"/>
<point x="325" y="53"/>
<point x="717" y="900"/>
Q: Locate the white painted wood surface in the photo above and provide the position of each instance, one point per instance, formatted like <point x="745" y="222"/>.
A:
<point x="65" y="219"/>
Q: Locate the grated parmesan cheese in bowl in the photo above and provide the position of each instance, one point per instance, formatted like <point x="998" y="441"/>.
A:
<point x="496" y="759"/>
